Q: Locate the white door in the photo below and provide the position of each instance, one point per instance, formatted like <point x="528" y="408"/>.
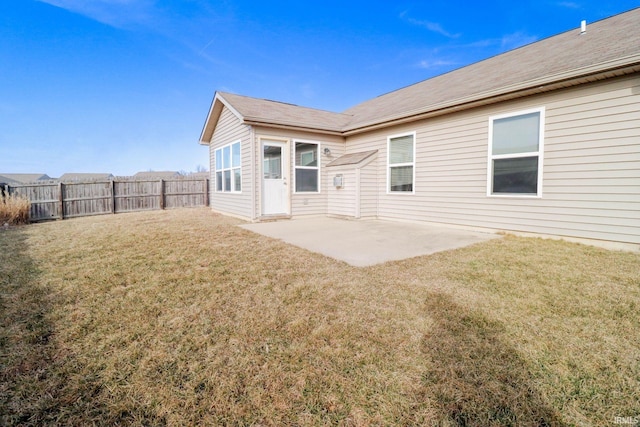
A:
<point x="275" y="190"/>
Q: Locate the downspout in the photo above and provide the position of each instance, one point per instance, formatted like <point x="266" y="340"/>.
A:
<point x="252" y="136"/>
<point x="358" y="194"/>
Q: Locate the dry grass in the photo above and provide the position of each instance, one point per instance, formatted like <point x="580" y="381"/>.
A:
<point x="181" y="318"/>
<point x="14" y="210"/>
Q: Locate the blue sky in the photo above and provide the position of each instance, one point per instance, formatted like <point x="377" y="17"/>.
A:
<point x="123" y="86"/>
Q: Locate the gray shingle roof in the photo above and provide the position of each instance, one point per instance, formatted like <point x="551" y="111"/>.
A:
<point x="550" y="59"/>
<point x="255" y="110"/>
<point x="22" y="178"/>
<point x="156" y="175"/>
<point x="85" y="176"/>
<point x="609" y="47"/>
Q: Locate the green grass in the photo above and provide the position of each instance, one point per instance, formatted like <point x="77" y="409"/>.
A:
<point x="181" y="318"/>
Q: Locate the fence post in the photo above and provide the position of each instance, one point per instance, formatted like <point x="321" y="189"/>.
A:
<point x="113" y="196"/>
<point x="206" y="191"/>
<point x="161" y="194"/>
<point x="61" y="199"/>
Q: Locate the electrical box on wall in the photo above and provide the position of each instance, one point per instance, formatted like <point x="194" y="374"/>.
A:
<point x="337" y="181"/>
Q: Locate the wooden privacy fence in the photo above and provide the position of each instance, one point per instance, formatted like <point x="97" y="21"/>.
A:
<point x="60" y="200"/>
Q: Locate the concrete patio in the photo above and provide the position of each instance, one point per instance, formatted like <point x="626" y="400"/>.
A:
<point x="364" y="243"/>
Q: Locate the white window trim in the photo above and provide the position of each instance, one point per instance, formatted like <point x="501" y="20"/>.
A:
<point x="230" y="168"/>
<point x="413" y="178"/>
<point x="539" y="154"/>
<point x="319" y="159"/>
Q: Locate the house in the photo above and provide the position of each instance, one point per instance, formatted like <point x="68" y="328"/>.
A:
<point x="198" y="175"/>
<point x="22" y="178"/>
<point x="542" y="139"/>
<point x="79" y="177"/>
<point x="157" y="175"/>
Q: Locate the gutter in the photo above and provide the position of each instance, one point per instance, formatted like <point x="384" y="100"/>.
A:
<point x="251" y="121"/>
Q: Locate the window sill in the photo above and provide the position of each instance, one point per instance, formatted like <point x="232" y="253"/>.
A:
<point x="516" y="196"/>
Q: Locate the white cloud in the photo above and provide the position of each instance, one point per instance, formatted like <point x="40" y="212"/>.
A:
<point x="504" y="43"/>
<point x="437" y="63"/>
<point x="187" y="25"/>
<point x="201" y="51"/>
<point x="515" y="40"/>
<point x="569" y="5"/>
<point x="115" y="13"/>
<point x="431" y="26"/>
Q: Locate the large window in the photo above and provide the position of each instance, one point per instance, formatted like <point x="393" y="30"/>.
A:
<point x="228" y="168"/>
<point x="307" y="167"/>
<point x="400" y="161"/>
<point x="515" y="153"/>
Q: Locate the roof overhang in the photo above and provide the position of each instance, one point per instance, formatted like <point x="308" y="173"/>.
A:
<point x="291" y="126"/>
<point x="619" y="67"/>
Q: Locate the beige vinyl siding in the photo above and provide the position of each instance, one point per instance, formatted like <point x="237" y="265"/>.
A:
<point x="358" y="195"/>
<point x="342" y="200"/>
<point x="304" y="203"/>
<point x="591" y="164"/>
<point x="369" y="189"/>
<point x="229" y="130"/>
<point x="450" y="167"/>
<point x="316" y="204"/>
<point x="593" y="160"/>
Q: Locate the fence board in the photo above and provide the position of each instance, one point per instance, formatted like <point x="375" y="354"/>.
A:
<point x="44" y="199"/>
<point x="83" y="199"/>
<point x="183" y="193"/>
<point x="56" y="200"/>
<point x="133" y="196"/>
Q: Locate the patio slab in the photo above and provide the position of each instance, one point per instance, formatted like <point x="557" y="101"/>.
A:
<point x="364" y="243"/>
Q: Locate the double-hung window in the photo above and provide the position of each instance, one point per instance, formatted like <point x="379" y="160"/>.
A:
<point x="515" y="154"/>
<point x="401" y="163"/>
<point x="228" y="168"/>
<point x="307" y="167"/>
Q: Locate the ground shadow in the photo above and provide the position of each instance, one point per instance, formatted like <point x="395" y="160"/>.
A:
<point x="475" y="376"/>
<point x="40" y="382"/>
<point x="24" y="333"/>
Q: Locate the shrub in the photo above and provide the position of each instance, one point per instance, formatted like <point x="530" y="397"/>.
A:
<point x="14" y="209"/>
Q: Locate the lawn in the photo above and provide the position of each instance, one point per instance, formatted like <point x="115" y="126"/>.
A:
<point x="181" y="318"/>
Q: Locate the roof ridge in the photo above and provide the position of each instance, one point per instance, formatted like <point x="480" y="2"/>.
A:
<point x="563" y="54"/>
<point x="489" y="58"/>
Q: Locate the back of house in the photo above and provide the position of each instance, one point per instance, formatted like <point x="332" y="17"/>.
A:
<point x="542" y="139"/>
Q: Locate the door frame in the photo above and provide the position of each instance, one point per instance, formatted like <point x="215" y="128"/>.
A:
<point x="286" y="173"/>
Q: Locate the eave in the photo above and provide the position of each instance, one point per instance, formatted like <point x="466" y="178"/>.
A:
<point x="212" y="118"/>
<point x="291" y="126"/>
